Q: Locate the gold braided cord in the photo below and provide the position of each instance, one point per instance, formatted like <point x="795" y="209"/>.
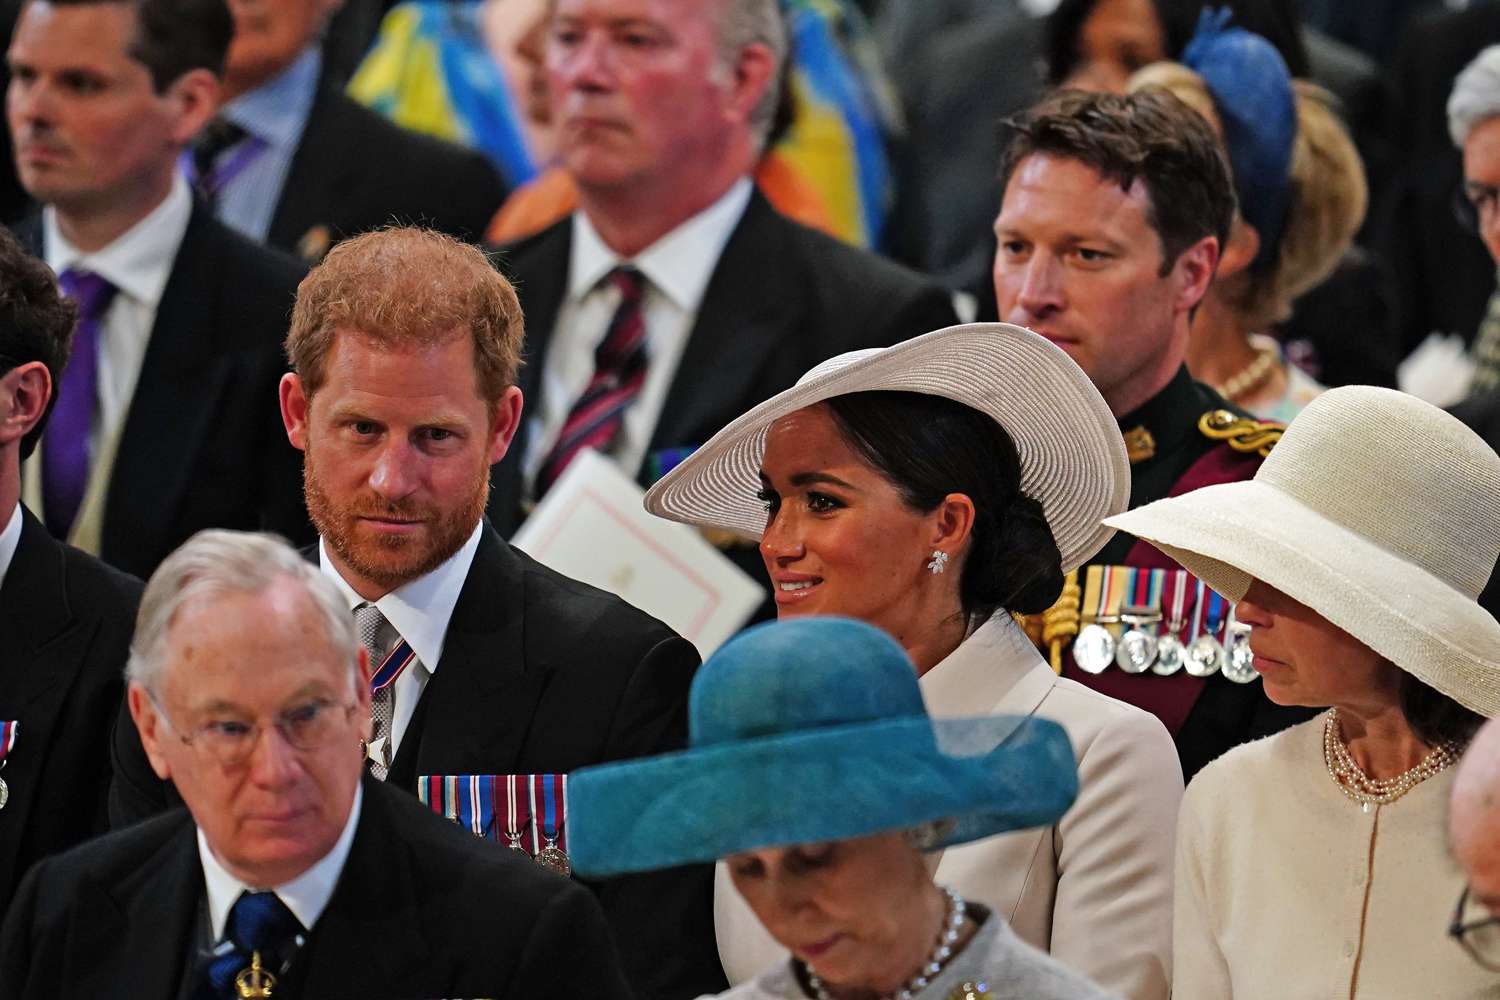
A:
<point x="1060" y="622"/>
<point x="1243" y="434"/>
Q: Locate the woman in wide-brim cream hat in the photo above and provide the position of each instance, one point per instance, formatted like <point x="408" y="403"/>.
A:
<point x="930" y="489"/>
<point x="1312" y="863"/>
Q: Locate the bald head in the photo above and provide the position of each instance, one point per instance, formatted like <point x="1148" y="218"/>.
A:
<point x="1474" y="816"/>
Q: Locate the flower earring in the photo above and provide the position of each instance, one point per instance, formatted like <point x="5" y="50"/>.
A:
<point x="938" y="562"/>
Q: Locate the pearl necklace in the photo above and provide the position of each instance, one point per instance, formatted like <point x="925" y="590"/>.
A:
<point x="1252" y="376"/>
<point x="1362" y="788"/>
<point x="938" y="958"/>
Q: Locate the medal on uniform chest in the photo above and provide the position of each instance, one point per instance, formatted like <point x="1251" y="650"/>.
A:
<point x="1136" y="649"/>
<point x="8" y="732"/>
<point x="554" y="806"/>
<point x="1094" y="649"/>
<point x="1239" y="659"/>
<point x="515" y="822"/>
<point x="254" y="983"/>
<point x="1205" y="655"/>
<point x="1170" y="653"/>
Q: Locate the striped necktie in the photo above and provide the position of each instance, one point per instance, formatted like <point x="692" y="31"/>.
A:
<point x="66" y="454"/>
<point x="619" y="372"/>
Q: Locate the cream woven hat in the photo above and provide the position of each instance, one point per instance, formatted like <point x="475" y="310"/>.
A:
<point x="1072" y="455"/>
<point x="1378" y="511"/>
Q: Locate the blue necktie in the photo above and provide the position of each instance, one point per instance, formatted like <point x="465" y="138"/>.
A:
<point x="258" y="922"/>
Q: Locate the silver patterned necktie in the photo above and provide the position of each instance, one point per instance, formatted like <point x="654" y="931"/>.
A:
<point x="377" y="635"/>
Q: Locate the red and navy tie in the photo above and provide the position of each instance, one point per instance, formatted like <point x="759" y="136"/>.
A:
<point x="619" y="373"/>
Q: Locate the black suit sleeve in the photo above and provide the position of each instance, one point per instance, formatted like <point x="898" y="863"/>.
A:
<point x="19" y="946"/>
<point x="569" y="946"/>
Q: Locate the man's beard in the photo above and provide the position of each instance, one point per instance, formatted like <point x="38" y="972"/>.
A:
<point x="389" y="561"/>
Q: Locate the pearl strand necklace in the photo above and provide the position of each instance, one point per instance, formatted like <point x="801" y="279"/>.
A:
<point x="1362" y="788"/>
<point x="938" y="958"/>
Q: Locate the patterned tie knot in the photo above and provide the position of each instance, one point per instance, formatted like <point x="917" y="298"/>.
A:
<point x="374" y="631"/>
<point x="630" y="282"/>
<point x="92" y="292"/>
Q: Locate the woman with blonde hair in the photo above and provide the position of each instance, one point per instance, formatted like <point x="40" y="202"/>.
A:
<point x="1302" y="196"/>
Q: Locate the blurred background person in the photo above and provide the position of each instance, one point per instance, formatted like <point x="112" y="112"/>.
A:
<point x="1318" y="856"/>
<point x="816" y="773"/>
<point x="1474" y="833"/>
<point x="1301" y="196"/>
<point x="934" y="489"/>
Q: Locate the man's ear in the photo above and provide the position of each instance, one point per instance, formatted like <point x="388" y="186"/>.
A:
<point x="754" y="71"/>
<point x="505" y="420"/>
<point x="24" y="392"/>
<point x="195" y="97"/>
<point x="1194" y="271"/>
<point x="294" y="407"/>
<point x="149" y="723"/>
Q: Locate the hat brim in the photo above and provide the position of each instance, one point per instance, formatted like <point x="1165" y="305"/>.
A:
<point x="988" y="775"/>
<point x="1072" y="455"/>
<point x="1230" y="534"/>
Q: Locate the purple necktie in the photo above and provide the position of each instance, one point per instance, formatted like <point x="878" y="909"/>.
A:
<point x="65" y="447"/>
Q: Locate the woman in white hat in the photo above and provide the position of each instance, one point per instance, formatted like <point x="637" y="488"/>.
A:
<point x="930" y="489"/>
<point x="1313" y="862"/>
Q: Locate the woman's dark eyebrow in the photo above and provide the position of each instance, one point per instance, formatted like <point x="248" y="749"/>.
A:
<point x="809" y="478"/>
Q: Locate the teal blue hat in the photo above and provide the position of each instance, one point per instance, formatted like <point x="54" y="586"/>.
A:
<point x="1252" y="91"/>
<point x="810" y="730"/>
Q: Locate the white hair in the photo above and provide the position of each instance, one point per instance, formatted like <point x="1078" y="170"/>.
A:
<point x="214" y="563"/>
<point x="742" y="23"/>
<point x="1476" y="95"/>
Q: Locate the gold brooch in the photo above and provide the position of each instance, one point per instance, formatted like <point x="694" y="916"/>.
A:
<point x="254" y="983"/>
<point x="1139" y="445"/>
<point x="1243" y="434"/>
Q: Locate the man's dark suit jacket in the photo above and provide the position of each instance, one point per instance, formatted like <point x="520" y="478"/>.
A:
<point x="203" y="444"/>
<point x="65" y="621"/>
<point x="541" y="674"/>
<point x="781" y="299"/>
<point x="355" y="171"/>
<point x="422" y="909"/>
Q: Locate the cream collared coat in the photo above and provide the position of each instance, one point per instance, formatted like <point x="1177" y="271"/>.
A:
<point x="1096" y="889"/>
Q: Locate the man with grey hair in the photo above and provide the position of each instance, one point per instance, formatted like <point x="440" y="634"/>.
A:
<point x="1474" y="829"/>
<point x="675" y="297"/>
<point x="1474" y="124"/>
<point x="287" y="874"/>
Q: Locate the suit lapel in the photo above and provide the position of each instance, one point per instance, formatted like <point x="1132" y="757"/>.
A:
<point x="317" y="175"/>
<point x="476" y="707"/>
<point x="173" y="403"/>
<point x="749" y="306"/>
<point x="540" y="273"/>
<point x="47" y="643"/>
<point x="165" y="894"/>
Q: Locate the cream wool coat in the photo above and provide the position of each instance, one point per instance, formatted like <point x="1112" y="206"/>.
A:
<point x="1096" y="889"/>
<point x="1287" y="889"/>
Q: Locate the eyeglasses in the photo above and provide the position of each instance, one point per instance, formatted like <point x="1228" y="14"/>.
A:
<point x="1474" y="204"/>
<point x="1477" y="930"/>
<point x="308" y="726"/>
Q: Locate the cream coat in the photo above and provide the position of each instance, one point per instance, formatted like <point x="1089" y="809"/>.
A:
<point x="1096" y="889"/>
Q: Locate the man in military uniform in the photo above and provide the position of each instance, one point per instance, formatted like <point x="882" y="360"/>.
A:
<point x="1113" y="213"/>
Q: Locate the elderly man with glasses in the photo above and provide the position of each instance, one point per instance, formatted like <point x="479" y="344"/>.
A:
<point x="288" y="874"/>
<point x="1474" y="826"/>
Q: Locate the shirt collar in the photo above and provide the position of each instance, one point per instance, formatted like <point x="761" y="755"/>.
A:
<point x="419" y="610"/>
<point x="679" y="264"/>
<point x="140" y="260"/>
<point x="306" y="895"/>
<point x="276" y="111"/>
<point x="9" y="539"/>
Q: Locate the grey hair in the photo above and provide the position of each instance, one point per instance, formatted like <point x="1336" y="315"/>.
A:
<point x="1476" y="95"/>
<point x="749" y="22"/>
<point x="214" y="563"/>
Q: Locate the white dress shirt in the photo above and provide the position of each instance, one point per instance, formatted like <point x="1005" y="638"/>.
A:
<point x="9" y="539"/>
<point x="138" y="264"/>
<point x="306" y="895"/>
<point x="420" y="611"/>
<point x="677" y="268"/>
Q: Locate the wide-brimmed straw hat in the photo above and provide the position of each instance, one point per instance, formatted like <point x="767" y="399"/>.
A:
<point x="1072" y="455"/>
<point x="1378" y="511"/>
<point x="810" y="730"/>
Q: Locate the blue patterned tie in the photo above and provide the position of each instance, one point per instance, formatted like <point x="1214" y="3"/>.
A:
<point x="258" y="922"/>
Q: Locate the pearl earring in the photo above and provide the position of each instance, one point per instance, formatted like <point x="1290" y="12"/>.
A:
<point x="938" y="562"/>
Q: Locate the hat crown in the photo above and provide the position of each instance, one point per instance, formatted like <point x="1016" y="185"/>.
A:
<point x="797" y="675"/>
<point x="1400" y="472"/>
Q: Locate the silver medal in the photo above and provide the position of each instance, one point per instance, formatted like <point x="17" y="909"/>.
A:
<point x="1094" y="649"/>
<point x="554" y="859"/>
<point x="4" y="793"/>
<point x="1239" y="660"/>
<point x="1169" y="656"/>
<point x="1137" y="649"/>
<point x="1204" y="656"/>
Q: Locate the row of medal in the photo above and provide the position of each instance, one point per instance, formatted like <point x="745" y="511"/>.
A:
<point x="525" y="812"/>
<point x="8" y="732"/>
<point x="1161" y="620"/>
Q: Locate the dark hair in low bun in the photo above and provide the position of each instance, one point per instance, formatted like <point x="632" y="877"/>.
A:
<point x="930" y="446"/>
